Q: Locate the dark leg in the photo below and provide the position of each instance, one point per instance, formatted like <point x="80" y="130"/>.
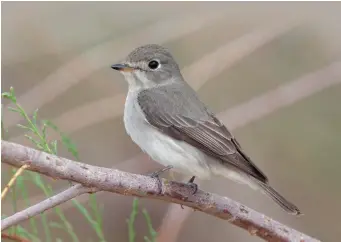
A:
<point x="156" y="176"/>
<point x="192" y="184"/>
<point x="191" y="180"/>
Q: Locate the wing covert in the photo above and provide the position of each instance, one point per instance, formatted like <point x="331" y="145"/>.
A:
<point x="189" y="120"/>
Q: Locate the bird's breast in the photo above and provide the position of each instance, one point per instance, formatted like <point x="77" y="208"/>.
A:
<point x="160" y="147"/>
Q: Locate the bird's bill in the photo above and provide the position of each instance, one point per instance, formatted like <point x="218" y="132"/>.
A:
<point x="122" y="67"/>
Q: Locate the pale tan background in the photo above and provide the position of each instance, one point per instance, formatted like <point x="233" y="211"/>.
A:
<point x="57" y="56"/>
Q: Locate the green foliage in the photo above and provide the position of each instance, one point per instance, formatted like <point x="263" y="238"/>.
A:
<point x="131" y="221"/>
<point x="151" y="230"/>
<point x="37" y="133"/>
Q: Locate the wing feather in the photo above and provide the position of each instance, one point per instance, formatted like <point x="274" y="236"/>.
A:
<point x="189" y="120"/>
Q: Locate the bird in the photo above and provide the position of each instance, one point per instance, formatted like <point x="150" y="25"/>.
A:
<point x="164" y="116"/>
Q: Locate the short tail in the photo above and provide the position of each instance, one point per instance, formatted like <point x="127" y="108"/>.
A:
<point x="279" y="199"/>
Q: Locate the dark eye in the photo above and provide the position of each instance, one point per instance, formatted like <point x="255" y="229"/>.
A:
<point x="153" y="64"/>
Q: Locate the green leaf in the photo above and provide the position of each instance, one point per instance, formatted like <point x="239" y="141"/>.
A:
<point x="96" y="210"/>
<point x="4" y="131"/>
<point x="14" y="110"/>
<point x="67" y="224"/>
<point x="25" y="127"/>
<point x="152" y="232"/>
<point x="41" y="142"/>
<point x="14" y="99"/>
<point x="54" y="146"/>
<point x="83" y="210"/>
<point x="24" y="114"/>
<point x="21" y="185"/>
<point x="70" y="145"/>
<point x="9" y="95"/>
<point x="66" y="141"/>
<point x="43" y="130"/>
<point x="5" y="94"/>
<point x="39" y="183"/>
<point x="131" y="220"/>
<point x="56" y="225"/>
<point x="25" y="234"/>
<point x="46" y="227"/>
<point x="34" y="142"/>
<point x="34" y="117"/>
<point x="51" y="125"/>
<point x="95" y="225"/>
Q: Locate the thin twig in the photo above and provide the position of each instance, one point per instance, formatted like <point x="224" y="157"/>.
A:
<point x="14" y="177"/>
<point x="111" y="180"/>
<point x="48" y="203"/>
<point x="13" y="237"/>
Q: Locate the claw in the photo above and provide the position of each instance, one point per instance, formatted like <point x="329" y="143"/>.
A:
<point x="156" y="176"/>
<point x="158" y="172"/>
<point x="191" y="180"/>
<point x="192" y="184"/>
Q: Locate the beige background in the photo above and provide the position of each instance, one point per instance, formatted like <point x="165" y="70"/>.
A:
<point x="57" y="56"/>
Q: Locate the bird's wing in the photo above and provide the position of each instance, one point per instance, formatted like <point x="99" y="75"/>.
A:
<point x="188" y="120"/>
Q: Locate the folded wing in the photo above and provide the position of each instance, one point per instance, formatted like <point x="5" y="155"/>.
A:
<point x="189" y="120"/>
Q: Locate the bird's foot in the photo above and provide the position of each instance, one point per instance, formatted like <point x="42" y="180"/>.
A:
<point x="158" y="172"/>
<point x="156" y="175"/>
<point x="193" y="185"/>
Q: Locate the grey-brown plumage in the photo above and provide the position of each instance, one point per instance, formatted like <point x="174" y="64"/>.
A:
<point x="165" y="117"/>
<point x="191" y="122"/>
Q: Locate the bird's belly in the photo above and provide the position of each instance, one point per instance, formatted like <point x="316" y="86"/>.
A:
<point x="167" y="151"/>
<point x="183" y="157"/>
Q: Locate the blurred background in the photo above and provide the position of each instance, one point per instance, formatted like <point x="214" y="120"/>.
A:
<point x="271" y="71"/>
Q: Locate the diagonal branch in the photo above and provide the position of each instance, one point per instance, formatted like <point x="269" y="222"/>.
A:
<point x="47" y="204"/>
<point x="11" y="182"/>
<point x="95" y="178"/>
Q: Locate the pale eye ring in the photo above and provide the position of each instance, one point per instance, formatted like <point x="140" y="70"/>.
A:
<point x="154" y="64"/>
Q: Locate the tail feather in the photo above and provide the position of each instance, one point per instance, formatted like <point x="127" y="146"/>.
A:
<point x="279" y="199"/>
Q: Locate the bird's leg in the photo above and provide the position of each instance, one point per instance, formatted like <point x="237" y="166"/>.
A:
<point x="191" y="180"/>
<point x="158" y="172"/>
<point x="156" y="175"/>
<point x="192" y="184"/>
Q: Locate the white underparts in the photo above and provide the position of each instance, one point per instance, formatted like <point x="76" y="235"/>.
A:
<point x="184" y="157"/>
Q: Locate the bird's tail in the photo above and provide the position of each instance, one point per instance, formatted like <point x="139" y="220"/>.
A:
<point x="279" y="199"/>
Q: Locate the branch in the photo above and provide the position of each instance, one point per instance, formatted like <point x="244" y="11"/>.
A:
<point x="172" y="222"/>
<point x="111" y="180"/>
<point x="51" y="202"/>
<point x="11" y="182"/>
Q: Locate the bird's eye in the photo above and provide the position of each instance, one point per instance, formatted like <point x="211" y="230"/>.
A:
<point x="153" y="64"/>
